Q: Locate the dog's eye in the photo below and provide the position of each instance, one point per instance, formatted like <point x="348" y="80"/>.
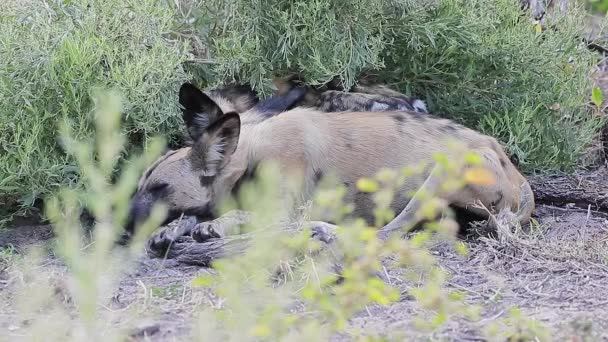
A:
<point x="156" y="187"/>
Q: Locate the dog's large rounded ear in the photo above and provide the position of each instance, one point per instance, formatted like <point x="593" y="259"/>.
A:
<point x="217" y="144"/>
<point x="199" y="111"/>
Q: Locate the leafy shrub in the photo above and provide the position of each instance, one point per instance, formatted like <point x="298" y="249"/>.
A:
<point x="53" y="54"/>
<point x="484" y="63"/>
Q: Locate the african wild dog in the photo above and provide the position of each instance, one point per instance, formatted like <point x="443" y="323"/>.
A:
<point x="366" y="96"/>
<point x="308" y="144"/>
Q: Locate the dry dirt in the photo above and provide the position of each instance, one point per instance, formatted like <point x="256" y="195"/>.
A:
<point x="557" y="275"/>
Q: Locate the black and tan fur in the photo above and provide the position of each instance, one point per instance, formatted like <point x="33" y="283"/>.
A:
<point x="365" y="96"/>
<point x="307" y="144"/>
<point x="210" y="104"/>
<point x="234" y="98"/>
<point x="290" y="94"/>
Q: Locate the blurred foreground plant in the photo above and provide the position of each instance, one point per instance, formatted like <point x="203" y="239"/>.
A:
<point x="94" y="263"/>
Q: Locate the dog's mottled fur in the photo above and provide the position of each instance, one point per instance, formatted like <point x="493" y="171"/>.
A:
<point x="308" y="144"/>
<point x="364" y="97"/>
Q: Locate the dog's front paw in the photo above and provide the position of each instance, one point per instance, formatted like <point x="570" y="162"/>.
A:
<point x="323" y="231"/>
<point x="206" y="231"/>
<point x="162" y="241"/>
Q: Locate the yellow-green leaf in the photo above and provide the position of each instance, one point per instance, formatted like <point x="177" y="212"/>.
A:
<point x="367" y="185"/>
<point x="473" y="158"/>
<point x="462" y="249"/>
<point x="202" y="281"/>
<point x="260" y="330"/>
<point x="597" y="97"/>
<point x="479" y="176"/>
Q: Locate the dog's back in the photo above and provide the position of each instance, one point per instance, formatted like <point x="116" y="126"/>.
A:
<point x="353" y="145"/>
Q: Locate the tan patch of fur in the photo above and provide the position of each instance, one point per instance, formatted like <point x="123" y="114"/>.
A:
<point x="243" y="104"/>
<point x="226" y="105"/>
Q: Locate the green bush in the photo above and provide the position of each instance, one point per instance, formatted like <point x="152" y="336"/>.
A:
<point x="52" y="55"/>
<point x="481" y="62"/>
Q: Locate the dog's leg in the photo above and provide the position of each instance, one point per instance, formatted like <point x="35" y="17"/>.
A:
<point x="204" y="231"/>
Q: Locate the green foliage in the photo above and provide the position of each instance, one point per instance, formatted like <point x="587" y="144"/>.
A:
<point x="598" y="5"/>
<point x="52" y="56"/>
<point x="8" y="255"/>
<point x="480" y="62"/>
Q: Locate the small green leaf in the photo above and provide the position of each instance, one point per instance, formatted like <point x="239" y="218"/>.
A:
<point x="473" y="158"/>
<point x="202" y="281"/>
<point x="597" y="97"/>
<point x="367" y="185"/>
<point x="462" y="249"/>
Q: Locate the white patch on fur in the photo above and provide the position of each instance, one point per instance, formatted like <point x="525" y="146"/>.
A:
<point x="215" y="155"/>
<point x="225" y="105"/>
<point x="420" y="106"/>
<point x="379" y="107"/>
<point x="201" y="120"/>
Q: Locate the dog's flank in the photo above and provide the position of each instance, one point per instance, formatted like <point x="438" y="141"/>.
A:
<point x="308" y="144"/>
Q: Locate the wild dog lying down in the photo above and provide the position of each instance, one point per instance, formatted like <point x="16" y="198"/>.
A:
<point x="365" y="96"/>
<point x="241" y="99"/>
<point x="307" y="144"/>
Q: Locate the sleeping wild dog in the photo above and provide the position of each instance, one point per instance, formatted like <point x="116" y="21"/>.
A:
<point x="308" y="144"/>
<point x="365" y="97"/>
